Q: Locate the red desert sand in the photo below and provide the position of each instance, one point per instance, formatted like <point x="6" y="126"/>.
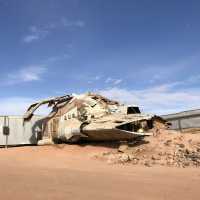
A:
<point x="71" y="172"/>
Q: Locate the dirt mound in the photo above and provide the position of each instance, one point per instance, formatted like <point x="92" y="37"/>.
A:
<point x="167" y="148"/>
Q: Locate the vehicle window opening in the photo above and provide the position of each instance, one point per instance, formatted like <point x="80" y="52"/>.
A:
<point x="133" y="110"/>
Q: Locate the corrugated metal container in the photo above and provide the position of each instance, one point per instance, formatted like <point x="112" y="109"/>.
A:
<point x="184" y="120"/>
<point x="13" y="130"/>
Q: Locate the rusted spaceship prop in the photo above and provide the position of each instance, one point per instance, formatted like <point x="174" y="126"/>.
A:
<point x="92" y="117"/>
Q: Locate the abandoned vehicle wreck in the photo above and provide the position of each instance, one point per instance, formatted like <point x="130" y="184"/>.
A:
<point x="92" y="117"/>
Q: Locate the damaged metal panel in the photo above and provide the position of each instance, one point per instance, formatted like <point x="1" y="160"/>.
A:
<point x="184" y="120"/>
<point x="55" y="102"/>
<point x="92" y="117"/>
<point x="13" y="131"/>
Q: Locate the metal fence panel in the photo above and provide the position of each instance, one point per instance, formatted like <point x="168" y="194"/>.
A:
<point x="184" y="120"/>
<point x="19" y="132"/>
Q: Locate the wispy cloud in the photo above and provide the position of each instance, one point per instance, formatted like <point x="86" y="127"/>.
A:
<point x="117" y="81"/>
<point x="92" y="79"/>
<point x="163" y="72"/>
<point x="26" y="74"/>
<point x="18" y="105"/>
<point x="53" y="59"/>
<point x="87" y="77"/>
<point x="35" y="33"/>
<point x="113" y="81"/>
<point x="161" y="99"/>
<point x="40" y="32"/>
<point x="68" y="23"/>
<point x="97" y="78"/>
<point x="30" y="38"/>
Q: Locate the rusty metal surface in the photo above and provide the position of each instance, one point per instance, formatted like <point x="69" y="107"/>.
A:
<point x="55" y="102"/>
<point x="92" y="117"/>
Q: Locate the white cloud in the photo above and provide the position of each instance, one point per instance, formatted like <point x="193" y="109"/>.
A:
<point x="26" y="74"/>
<point x="117" y="81"/>
<point x="30" y="38"/>
<point x="160" y="100"/>
<point x="18" y="106"/>
<point x="36" y="33"/>
<point x="108" y="80"/>
<point x="97" y="78"/>
<point x="68" y="23"/>
<point x="113" y="81"/>
<point x="14" y="105"/>
<point x="194" y="79"/>
<point x="89" y="78"/>
<point x="158" y="73"/>
<point x="57" y="58"/>
<point x="40" y="32"/>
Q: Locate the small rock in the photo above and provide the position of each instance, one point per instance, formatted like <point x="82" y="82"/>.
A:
<point x="46" y="141"/>
<point x="131" y="157"/>
<point x="124" y="158"/>
<point x="111" y="159"/>
<point x="187" y="151"/>
<point x="186" y="163"/>
<point x="170" y="156"/>
<point x="170" y="162"/>
<point x="106" y="153"/>
<point x="122" y="148"/>
<point x="181" y="145"/>
<point x="147" y="164"/>
<point x="155" y="157"/>
<point x="168" y="142"/>
<point x="135" y="161"/>
<point x="144" y="156"/>
<point x="160" y="153"/>
<point x="138" y="150"/>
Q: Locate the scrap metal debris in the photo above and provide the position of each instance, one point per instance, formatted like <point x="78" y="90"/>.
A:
<point x="92" y="117"/>
<point x="168" y="148"/>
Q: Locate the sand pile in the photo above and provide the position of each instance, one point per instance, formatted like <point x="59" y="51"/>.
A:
<point x="167" y="148"/>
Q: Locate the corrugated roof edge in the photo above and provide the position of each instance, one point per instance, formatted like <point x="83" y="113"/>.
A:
<point x="186" y="113"/>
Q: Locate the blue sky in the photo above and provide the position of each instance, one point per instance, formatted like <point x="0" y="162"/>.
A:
<point x="145" y="52"/>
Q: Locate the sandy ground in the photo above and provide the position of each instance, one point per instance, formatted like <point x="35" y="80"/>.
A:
<point x="70" y="172"/>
